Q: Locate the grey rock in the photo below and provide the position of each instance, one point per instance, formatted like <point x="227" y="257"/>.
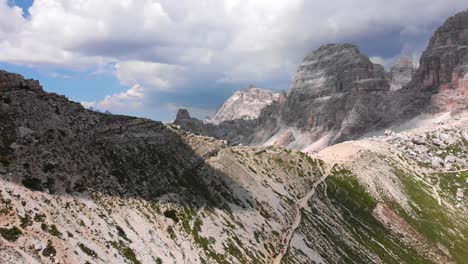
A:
<point x="437" y="142"/>
<point x="436" y="162"/>
<point x="418" y="141"/>
<point x="401" y="73"/>
<point x="285" y="139"/>
<point x="339" y="93"/>
<point x="183" y="114"/>
<point x="450" y="159"/>
<point x="245" y="104"/>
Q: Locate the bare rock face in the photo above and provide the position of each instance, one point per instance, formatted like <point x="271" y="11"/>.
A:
<point x="245" y="104"/>
<point x="444" y="65"/>
<point x="335" y="68"/>
<point x="401" y="73"/>
<point x="183" y="114"/>
<point x="447" y="49"/>
<point x="285" y="139"/>
<point x="337" y="90"/>
<point x="338" y="94"/>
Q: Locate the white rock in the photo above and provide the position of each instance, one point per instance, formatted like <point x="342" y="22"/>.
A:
<point x="436" y="162"/>
<point x="450" y="158"/>
<point x="245" y="104"/>
<point x="437" y="142"/>
<point x="38" y="247"/>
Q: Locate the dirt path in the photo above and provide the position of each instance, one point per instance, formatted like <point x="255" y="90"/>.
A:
<point x="299" y="205"/>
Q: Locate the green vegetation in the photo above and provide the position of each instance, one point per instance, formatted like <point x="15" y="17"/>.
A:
<point x="126" y="252"/>
<point x="54" y="231"/>
<point x="39" y="217"/>
<point x="232" y="250"/>
<point x="25" y="221"/>
<point x="450" y="182"/>
<point x="87" y="250"/>
<point x="33" y="184"/>
<point x="5" y="160"/>
<point x="203" y="242"/>
<point x="433" y="220"/>
<point x="51" y="230"/>
<point x="121" y="233"/>
<point x="49" y="250"/>
<point x="10" y="234"/>
<point x="350" y="205"/>
<point x="171" y="232"/>
<point x="172" y="215"/>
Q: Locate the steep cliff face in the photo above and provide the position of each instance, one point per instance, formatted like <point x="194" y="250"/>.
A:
<point x="444" y="64"/>
<point x="336" y="95"/>
<point x="447" y="49"/>
<point x="331" y="83"/>
<point x="335" y="68"/>
<point x="244" y="104"/>
<point x="401" y="73"/>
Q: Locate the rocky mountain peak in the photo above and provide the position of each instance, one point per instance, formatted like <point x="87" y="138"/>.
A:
<point x="245" y="104"/>
<point x="182" y="114"/>
<point x="401" y="73"/>
<point x="335" y="49"/>
<point x="336" y="68"/>
<point x="447" y="50"/>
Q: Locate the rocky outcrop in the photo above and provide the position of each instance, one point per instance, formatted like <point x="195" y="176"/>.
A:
<point x="244" y="104"/>
<point x="337" y="92"/>
<point x="448" y="49"/>
<point x="444" y="64"/>
<point x="401" y="73"/>
<point x="183" y="114"/>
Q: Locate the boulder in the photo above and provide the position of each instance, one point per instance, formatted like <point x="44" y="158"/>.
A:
<point x="437" y="162"/>
<point x="450" y="159"/>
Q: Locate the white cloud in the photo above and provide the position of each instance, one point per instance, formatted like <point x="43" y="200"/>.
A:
<point x="88" y="105"/>
<point x="164" y="45"/>
<point x="130" y="99"/>
<point x="153" y="75"/>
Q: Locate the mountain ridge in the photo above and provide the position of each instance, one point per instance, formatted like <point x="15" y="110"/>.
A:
<point x="338" y="94"/>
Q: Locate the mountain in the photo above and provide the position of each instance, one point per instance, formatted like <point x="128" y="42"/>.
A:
<point x="335" y="95"/>
<point x="79" y="186"/>
<point x="244" y="104"/>
<point x="401" y="73"/>
<point x="338" y="94"/>
<point x="444" y="65"/>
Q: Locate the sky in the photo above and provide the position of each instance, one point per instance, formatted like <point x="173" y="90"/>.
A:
<point x="148" y="58"/>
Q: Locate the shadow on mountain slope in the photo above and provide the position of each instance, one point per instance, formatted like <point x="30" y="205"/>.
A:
<point x="50" y="144"/>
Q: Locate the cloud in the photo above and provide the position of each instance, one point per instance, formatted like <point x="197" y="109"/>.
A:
<point x="88" y="105"/>
<point x="130" y="99"/>
<point x="165" y="45"/>
<point x="152" y="75"/>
